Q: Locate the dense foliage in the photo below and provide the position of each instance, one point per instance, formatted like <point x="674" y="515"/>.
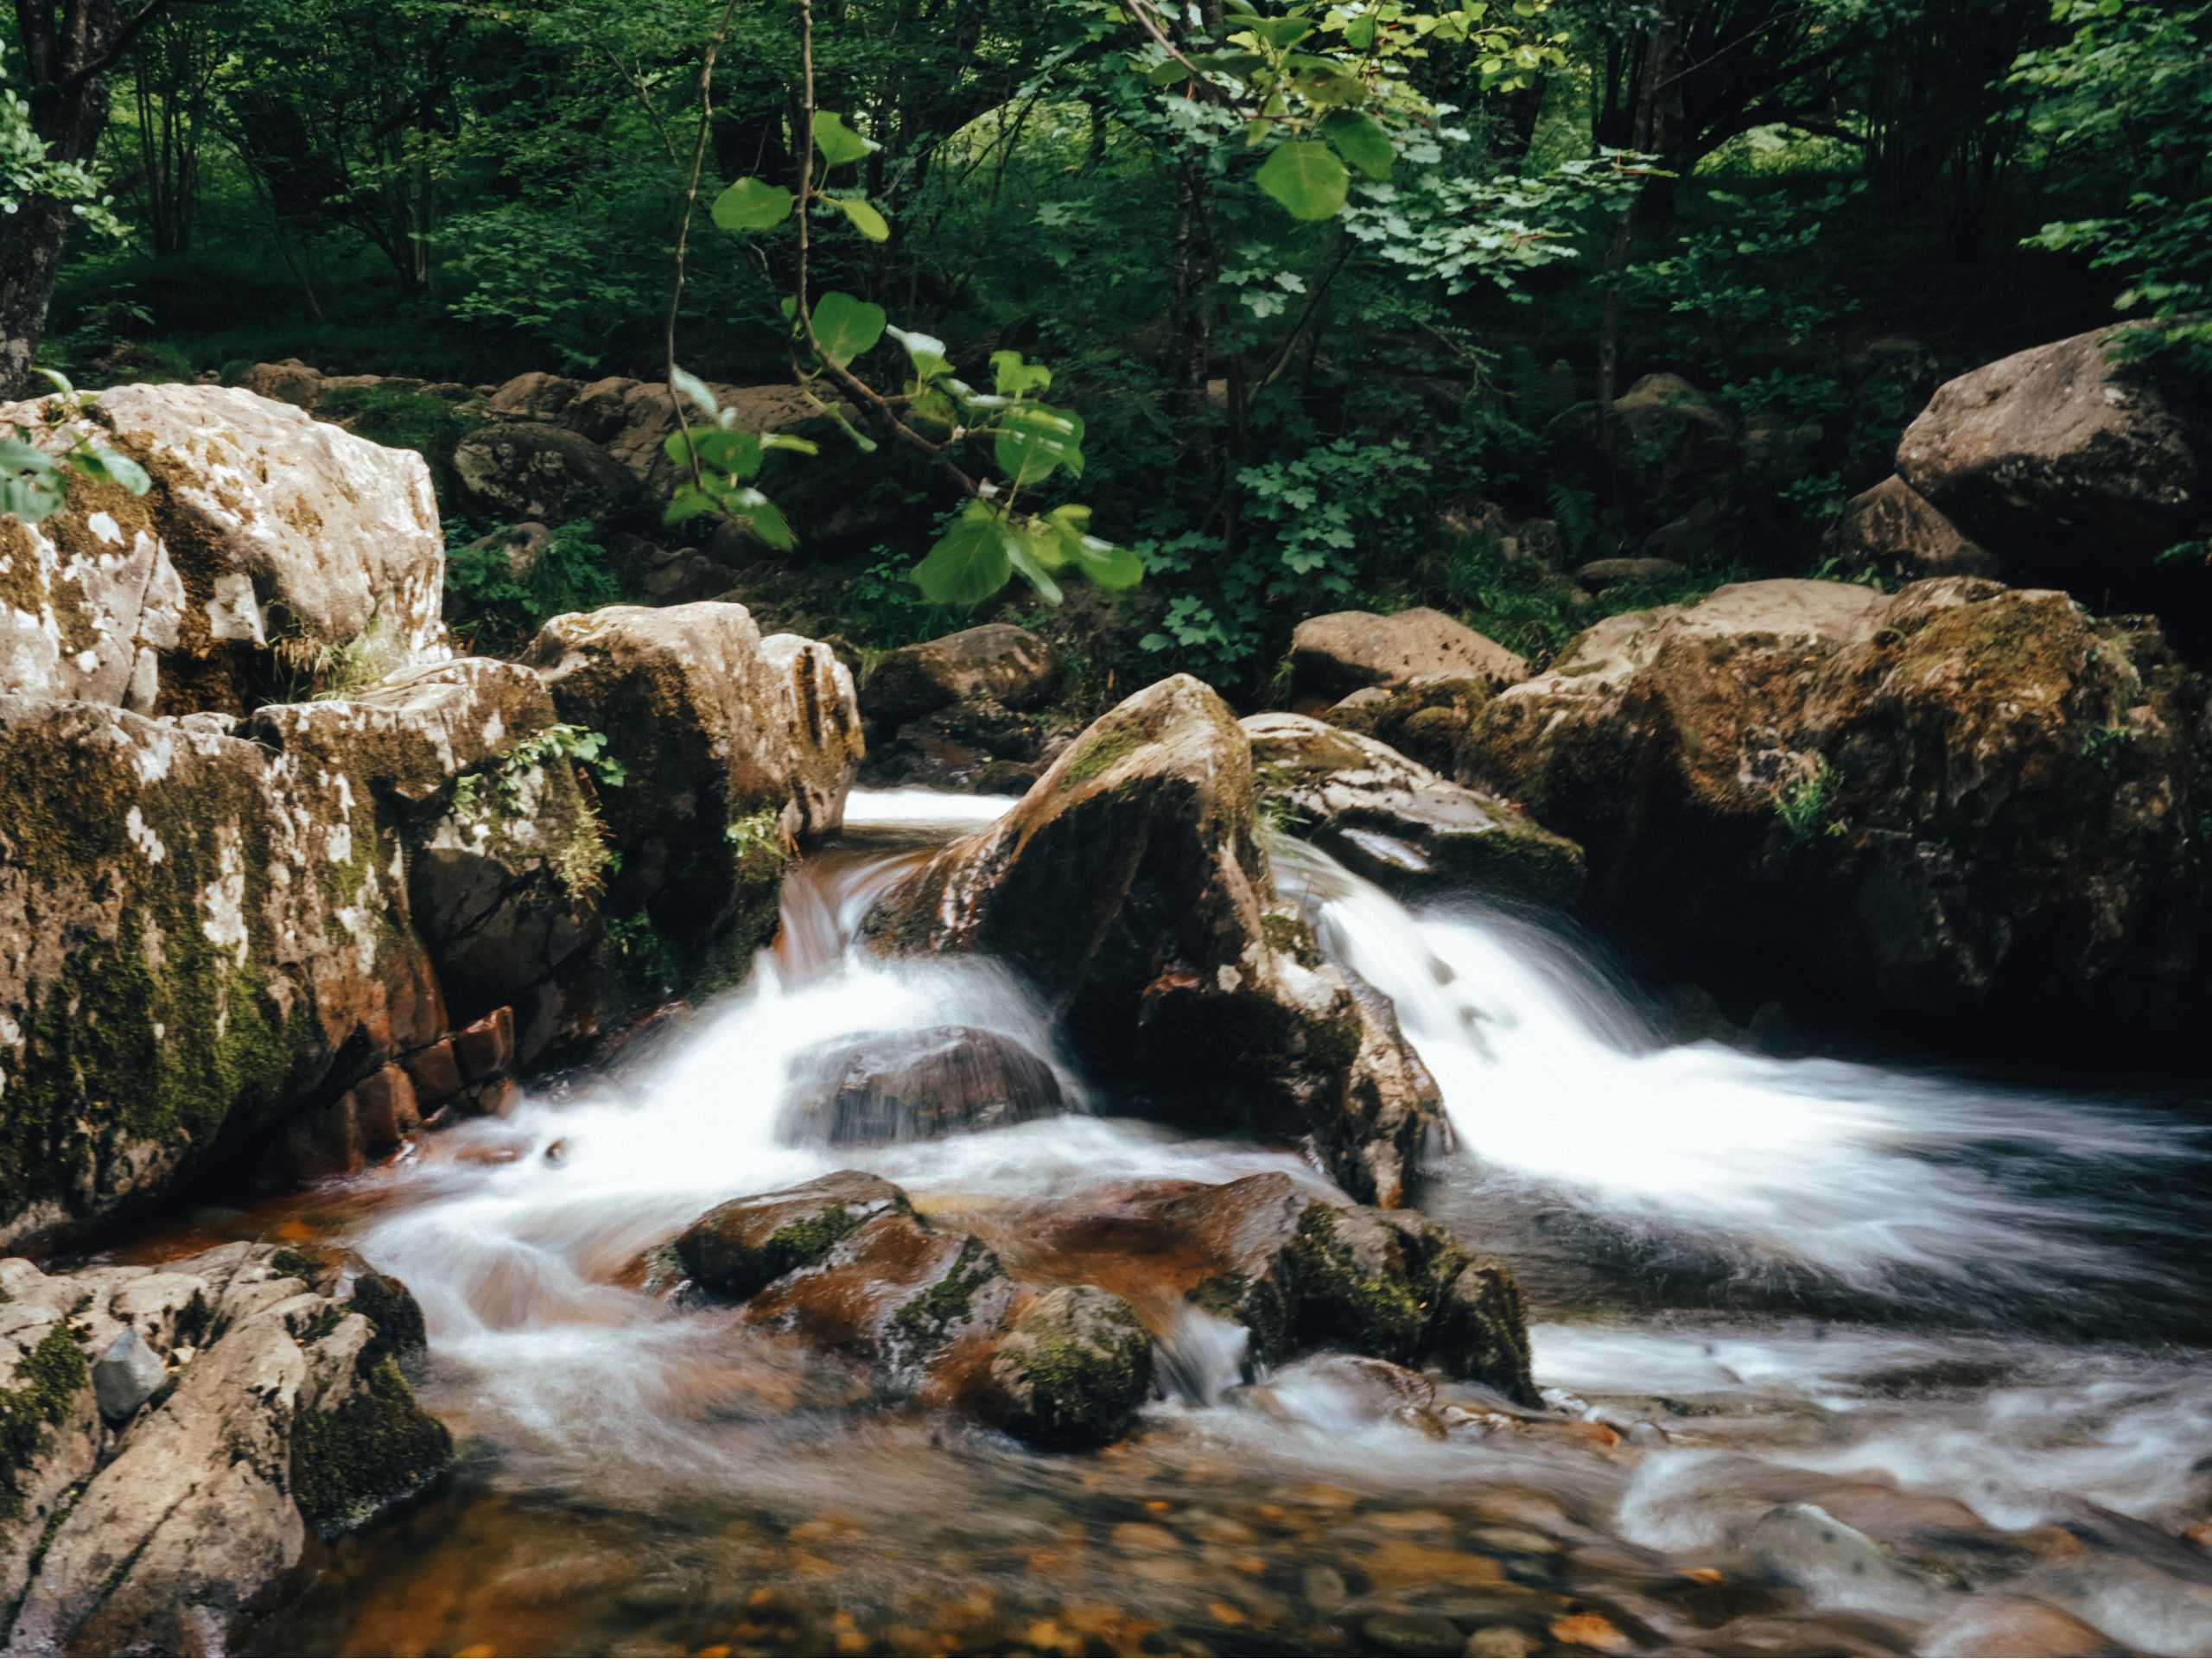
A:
<point x="1250" y="308"/>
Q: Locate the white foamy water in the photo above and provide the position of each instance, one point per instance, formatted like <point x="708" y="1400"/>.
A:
<point x="1920" y="1194"/>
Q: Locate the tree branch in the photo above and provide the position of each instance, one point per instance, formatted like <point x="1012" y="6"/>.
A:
<point x="113" y="55"/>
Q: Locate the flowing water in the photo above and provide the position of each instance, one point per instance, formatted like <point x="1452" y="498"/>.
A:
<point x="1961" y="1316"/>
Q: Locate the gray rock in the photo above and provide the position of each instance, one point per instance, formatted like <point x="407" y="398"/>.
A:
<point x="1601" y="573"/>
<point x="1333" y="655"/>
<point x="125" y="1375"/>
<point x="513" y="470"/>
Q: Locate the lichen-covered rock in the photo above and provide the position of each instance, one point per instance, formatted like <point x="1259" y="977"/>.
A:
<point x="282" y="1409"/>
<point x="1963" y="800"/>
<point x="1331" y="655"/>
<point x="1130" y="886"/>
<point x="2070" y="469"/>
<point x="1071" y="1370"/>
<point x="268" y="539"/>
<point x="1008" y="665"/>
<point x="512" y="470"/>
<point x="1895" y="529"/>
<point x="1398" y="823"/>
<point x="736" y="749"/>
<point x="915" y="1085"/>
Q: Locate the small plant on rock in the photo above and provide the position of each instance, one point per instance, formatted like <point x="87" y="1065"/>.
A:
<point x="1807" y="805"/>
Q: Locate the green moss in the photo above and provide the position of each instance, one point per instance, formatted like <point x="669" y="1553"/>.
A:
<point x="374" y="1449"/>
<point x="1105" y="747"/>
<point x="802" y="1243"/>
<point x="1293" y="936"/>
<point x="1061" y="1390"/>
<point x="392" y="1308"/>
<point x="293" y="1265"/>
<point x="1338" y="1305"/>
<point x="431" y="427"/>
<point x="922" y="1325"/>
<point x="48" y="1379"/>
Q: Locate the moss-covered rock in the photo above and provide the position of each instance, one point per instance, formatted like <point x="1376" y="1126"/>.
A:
<point x="372" y="1449"/>
<point x="1131" y="886"/>
<point x="737" y="1248"/>
<point x="1072" y="1370"/>
<point x="1393" y="820"/>
<point x="1961" y="803"/>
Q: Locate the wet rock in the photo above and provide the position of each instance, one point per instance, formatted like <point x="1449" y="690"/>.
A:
<point x="1425" y="718"/>
<point x="1990" y="1626"/>
<point x="2071" y="468"/>
<point x="1130" y="886"/>
<point x="1895" y="529"/>
<point x="1072" y="1370"/>
<point x="1008" y="665"/>
<point x="1807" y="1547"/>
<point x="513" y="470"/>
<point x="977" y="744"/>
<point x="916" y="1085"/>
<point x="736" y="748"/>
<point x="124" y="1377"/>
<point x="1332" y="655"/>
<point x="1397" y="823"/>
<point x="737" y="1248"/>
<point x="268" y="540"/>
<point x="1411" y="1633"/>
<point x="286" y="1413"/>
<point x="1960" y="800"/>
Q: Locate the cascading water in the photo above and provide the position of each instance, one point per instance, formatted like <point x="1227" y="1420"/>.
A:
<point x="1956" y="1225"/>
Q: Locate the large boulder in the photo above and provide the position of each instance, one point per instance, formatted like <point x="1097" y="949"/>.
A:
<point x="1331" y="655"/>
<point x="1893" y="528"/>
<point x="962" y="712"/>
<point x="915" y="1085"/>
<point x="735" y="749"/>
<point x="1396" y="821"/>
<point x="270" y="543"/>
<point x="512" y="470"/>
<point x="1961" y="800"/>
<point x="1425" y="718"/>
<point x="1130" y="886"/>
<point x="1071" y="1371"/>
<point x="997" y="661"/>
<point x="281" y="1410"/>
<point x="2072" y="466"/>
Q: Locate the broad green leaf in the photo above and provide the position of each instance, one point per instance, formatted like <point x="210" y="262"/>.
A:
<point x="688" y="502"/>
<point x="786" y="440"/>
<point x="1325" y="82"/>
<point x="839" y="142"/>
<point x="737" y="453"/>
<point x="1279" y="32"/>
<point x="1034" y="441"/>
<point x="926" y="351"/>
<point x="1360" y="139"/>
<point x="1306" y="178"/>
<point x="1022" y="552"/>
<point x="969" y="562"/>
<point x="1106" y="565"/>
<point x="690" y="385"/>
<point x="753" y="204"/>
<point x="845" y="327"/>
<point x="59" y="381"/>
<point x="106" y="465"/>
<point x="763" y="518"/>
<point x="1012" y="378"/>
<point x="1167" y="74"/>
<point x="869" y="223"/>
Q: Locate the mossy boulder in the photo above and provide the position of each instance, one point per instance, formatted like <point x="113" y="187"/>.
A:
<point x="1008" y="666"/>
<point x="738" y="1248"/>
<point x="1962" y="804"/>
<point x="1072" y="1370"/>
<point x="1425" y="718"/>
<point x="284" y="1409"/>
<point x="270" y="545"/>
<point x="1395" y="821"/>
<point x="507" y="471"/>
<point x="736" y="750"/>
<point x="1131" y="888"/>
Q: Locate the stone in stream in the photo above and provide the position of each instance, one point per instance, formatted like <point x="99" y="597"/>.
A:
<point x="276" y="1408"/>
<point x="736" y="1250"/>
<point x="1129" y="886"/>
<point x="1958" y="802"/>
<point x="1396" y="821"/>
<point x="1071" y="1369"/>
<point x="915" y="1085"/>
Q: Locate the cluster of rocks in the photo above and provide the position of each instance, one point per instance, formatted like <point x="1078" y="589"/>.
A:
<point x="230" y="920"/>
<point x="169" y="1436"/>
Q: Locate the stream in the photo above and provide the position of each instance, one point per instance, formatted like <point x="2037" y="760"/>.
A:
<point x="1779" y="1307"/>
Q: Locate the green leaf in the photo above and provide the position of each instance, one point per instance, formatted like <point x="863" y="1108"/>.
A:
<point x="786" y="440"/>
<point x="737" y="453"/>
<point x="753" y="204"/>
<point x="765" y="520"/>
<point x="869" y="223"/>
<point x="969" y="562"/>
<point x="1034" y="441"/>
<point x="1012" y="378"/>
<point x="1023" y="553"/>
<point x="1309" y="182"/>
<point x="59" y="382"/>
<point x="688" y="502"/>
<point x="106" y="465"/>
<point x="926" y="351"/>
<point x="1360" y="139"/>
<point x="1279" y="32"/>
<point x="1107" y="566"/>
<point x="839" y="142"/>
<point x="845" y="327"/>
<point x="690" y="385"/>
<point x="1167" y="74"/>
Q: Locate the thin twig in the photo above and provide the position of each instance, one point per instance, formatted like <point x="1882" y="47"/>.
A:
<point x="683" y="230"/>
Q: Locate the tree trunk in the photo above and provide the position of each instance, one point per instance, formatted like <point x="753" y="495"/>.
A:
<point x="30" y="258"/>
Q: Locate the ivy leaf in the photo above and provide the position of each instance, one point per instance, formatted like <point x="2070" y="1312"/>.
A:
<point x="868" y="222"/>
<point x="752" y="205"/>
<point x="1361" y="140"/>
<point x="839" y="142"/>
<point x="845" y="327"/>
<point x="1309" y="182"/>
<point x="970" y="561"/>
